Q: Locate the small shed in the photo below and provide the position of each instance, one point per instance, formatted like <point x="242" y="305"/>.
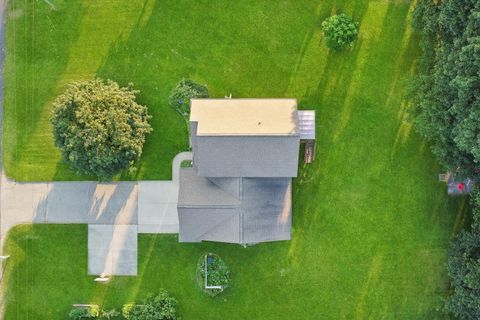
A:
<point x="306" y="124"/>
<point x="456" y="187"/>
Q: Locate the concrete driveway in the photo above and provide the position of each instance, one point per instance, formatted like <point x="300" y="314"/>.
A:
<point x="147" y="206"/>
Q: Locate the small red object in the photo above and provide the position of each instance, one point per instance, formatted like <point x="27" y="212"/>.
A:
<point x="460" y="186"/>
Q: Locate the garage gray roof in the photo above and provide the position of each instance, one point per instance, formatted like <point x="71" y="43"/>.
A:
<point x="261" y="212"/>
<point x="199" y="191"/>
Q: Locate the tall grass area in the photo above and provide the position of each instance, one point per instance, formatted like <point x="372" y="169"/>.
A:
<point x="371" y="224"/>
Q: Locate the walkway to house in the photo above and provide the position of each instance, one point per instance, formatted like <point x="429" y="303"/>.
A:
<point x="115" y="213"/>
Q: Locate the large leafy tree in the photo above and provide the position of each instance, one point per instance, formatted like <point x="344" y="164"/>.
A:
<point x="464" y="269"/>
<point x="446" y="95"/>
<point x="99" y="127"/>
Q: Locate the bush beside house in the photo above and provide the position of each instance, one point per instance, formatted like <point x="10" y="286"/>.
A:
<point x="185" y="90"/>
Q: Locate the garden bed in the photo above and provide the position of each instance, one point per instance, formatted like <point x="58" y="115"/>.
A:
<point x="213" y="275"/>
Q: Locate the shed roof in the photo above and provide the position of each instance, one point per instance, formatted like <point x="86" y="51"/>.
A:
<point x="306" y="122"/>
<point x="245" y="116"/>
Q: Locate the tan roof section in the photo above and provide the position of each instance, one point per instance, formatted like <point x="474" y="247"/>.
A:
<point x="245" y="116"/>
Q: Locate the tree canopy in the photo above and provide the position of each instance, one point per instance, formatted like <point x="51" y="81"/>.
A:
<point x="99" y="127"/>
<point x="446" y="110"/>
<point x="446" y="92"/>
<point x="464" y="269"/>
<point x="340" y="31"/>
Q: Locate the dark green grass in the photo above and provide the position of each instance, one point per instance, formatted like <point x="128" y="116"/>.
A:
<point x="371" y="224"/>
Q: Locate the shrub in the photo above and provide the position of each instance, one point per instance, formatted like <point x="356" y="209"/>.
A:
<point x="84" y="313"/>
<point x="340" y="31"/>
<point x="159" y="307"/>
<point x="77" y="313"/>
<point x="218" y="274"/>
<point x="184" y="91"/>
<point x="126" y="309"/>
<point x="464" y="269"/>
<point x="99" y="127"/>
<point x="186" y="164"/>
<point x="475" y="202"/>
<point x="110" y="314"/>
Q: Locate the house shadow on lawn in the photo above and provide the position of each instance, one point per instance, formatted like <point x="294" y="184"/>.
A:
<point x="30" y="83"/>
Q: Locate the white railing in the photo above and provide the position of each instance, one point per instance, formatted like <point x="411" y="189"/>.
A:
<point x="206" y="276"/>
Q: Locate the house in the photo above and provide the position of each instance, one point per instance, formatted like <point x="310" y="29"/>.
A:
<point x="245" y="154"/>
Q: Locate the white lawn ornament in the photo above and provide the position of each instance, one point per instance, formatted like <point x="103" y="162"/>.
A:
<point x="103" y="278"/>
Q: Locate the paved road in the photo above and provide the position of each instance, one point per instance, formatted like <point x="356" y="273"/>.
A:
<point x="3" y="4"/>
<point x="2" y="58"/>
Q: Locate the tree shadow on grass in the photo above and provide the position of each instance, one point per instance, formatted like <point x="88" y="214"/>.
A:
<point x="359" y="189"/>
<point x="37" y="55"/>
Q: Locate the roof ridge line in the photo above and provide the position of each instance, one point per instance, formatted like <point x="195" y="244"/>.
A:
<point x="219" y="223"/>
<point x="240" y="215"/>
<point x="216" y="206"/>
<point x="228" y="193"/>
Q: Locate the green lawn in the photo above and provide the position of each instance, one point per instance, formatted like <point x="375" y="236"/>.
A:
<point x="371" y="223"/>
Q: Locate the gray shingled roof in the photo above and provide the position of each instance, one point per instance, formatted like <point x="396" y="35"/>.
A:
<point x="245" y="152"/>
<point x="210" y="211"/>
<point x="209" y="224"/>
<point x="266" y="208"/>
<point x="199" y="191"/>
<point x="248" y="156"/>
